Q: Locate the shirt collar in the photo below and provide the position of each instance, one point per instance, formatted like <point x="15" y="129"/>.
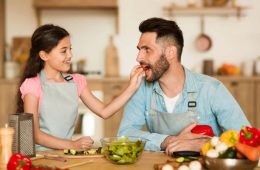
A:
<point x="189" y="84"/>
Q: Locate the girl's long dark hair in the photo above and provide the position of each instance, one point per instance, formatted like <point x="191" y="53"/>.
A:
<point x="44" y="38"/>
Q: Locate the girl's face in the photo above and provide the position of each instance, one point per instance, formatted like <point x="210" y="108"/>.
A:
<point x="59" y="58"/>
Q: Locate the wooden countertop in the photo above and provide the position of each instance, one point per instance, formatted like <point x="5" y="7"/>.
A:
<point x="146" y="162"/>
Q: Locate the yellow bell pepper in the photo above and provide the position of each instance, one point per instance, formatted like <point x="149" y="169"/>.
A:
<point x="230" y="138"/>
<point x="206" y="146"/>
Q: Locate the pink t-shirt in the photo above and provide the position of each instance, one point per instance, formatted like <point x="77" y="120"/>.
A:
<point x="33" y="86"/>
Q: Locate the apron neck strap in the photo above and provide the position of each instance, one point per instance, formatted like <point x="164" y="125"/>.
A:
<point x="67" y="77"/>
<point x="192" y="104"/>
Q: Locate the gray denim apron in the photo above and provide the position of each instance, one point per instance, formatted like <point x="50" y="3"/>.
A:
<point x="58" y="108"/>
<point x="171" y="123"/>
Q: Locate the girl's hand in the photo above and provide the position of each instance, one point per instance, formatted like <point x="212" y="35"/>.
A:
<point x="136" y="76"/>
<point x="83" y="143"/>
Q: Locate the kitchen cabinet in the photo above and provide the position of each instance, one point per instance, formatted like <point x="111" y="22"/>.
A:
<point x="2" y="36"/>
<point x="243" y="90"/>
<point x="111" y="90"/>
<point x="8" y="91"/>
<point x="257" y="103"/>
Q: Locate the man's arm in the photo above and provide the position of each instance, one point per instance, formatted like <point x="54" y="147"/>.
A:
<point x="134" y="118"/>
<point x="226" y="109"/>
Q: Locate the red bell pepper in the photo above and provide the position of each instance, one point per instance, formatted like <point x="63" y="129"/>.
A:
<point x="19" y="162"/>
<point x="203" y="129"/>
<point x="249" y="136"/>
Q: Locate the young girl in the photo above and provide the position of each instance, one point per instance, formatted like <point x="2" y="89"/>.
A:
<point x="51" y="94"/>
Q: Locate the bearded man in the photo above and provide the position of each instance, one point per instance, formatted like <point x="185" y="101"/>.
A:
<point x="171" y="99"/>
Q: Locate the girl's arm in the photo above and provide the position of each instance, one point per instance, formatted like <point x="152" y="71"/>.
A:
<point x="44" y="139"/>
<point x="105" y="111"/>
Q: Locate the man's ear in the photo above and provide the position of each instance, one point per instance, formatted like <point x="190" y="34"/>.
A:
<point x="171" y="52"/>
<point x="43" y="55"/>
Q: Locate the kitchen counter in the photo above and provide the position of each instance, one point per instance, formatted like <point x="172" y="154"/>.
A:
<point x="146" y="162"/>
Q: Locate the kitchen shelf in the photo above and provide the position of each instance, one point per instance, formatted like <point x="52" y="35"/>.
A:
<point x="173" y="10"/>
<point x="40" y="5"/>
<point x="76" y="4"/>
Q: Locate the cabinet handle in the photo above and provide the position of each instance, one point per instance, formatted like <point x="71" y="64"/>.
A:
<point x="234" y="83"/>
<point x="116" y="87"/>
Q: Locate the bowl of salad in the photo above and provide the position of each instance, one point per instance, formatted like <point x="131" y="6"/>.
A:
<point x="122" y="150"/>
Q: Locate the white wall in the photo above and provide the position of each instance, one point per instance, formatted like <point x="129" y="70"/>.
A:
<point x="234" y="40"/>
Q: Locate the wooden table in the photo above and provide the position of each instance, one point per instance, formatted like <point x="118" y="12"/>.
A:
<point x="146" y="162"/>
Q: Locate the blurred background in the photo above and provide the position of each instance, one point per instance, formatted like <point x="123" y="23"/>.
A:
<point x="105" y="30"/>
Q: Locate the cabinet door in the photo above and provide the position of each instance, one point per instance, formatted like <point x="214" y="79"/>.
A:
<point x="244" y="92"/>
<point x="257" y="103"/>
<point x="111" y="91"/>
<point x="8" y="90"/>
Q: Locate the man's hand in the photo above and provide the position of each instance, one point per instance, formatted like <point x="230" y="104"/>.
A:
<point x="186" y="145"/>
<point x="185" y="141"/>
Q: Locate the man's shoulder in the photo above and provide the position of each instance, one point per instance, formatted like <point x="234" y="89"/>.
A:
<point x="205" y="80"/>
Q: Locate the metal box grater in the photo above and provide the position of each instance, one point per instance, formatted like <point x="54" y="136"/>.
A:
<point x="23" y="141"/>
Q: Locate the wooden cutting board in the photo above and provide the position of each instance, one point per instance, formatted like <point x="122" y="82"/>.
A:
<point x="60" y="154"/>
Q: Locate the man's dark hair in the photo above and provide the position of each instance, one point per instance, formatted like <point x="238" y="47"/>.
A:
<point x="164" y="29"/>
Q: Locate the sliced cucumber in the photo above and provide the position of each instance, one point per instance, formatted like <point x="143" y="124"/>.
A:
<point x="66" y="151"/>
<point x="73" y="151"/>
<point x="180" y="159"/>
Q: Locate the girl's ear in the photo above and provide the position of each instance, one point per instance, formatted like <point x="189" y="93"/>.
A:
<point x="43" y="55"/>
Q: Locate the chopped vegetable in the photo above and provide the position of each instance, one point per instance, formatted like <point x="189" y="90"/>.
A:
<point x="203" y="129"/>
<point x="19" y="162"/>
<point x="180" y="159"/>
<point x="229" y="153"/>
<point x="186" y="159"/>
<point x="66" y="151"/>
<point x="230" y="138"/>
<point x="82" y="152"/>
<point x="250" y="136"/>
<point x="252" y="153"/>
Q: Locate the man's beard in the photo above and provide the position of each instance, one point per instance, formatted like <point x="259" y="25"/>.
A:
<point x="158" y="69"/>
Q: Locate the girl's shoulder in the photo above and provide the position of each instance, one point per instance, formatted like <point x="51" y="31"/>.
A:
<point x="32" y="81"/>
<point x="31" y="86"/>
<point x="78" y="78"/>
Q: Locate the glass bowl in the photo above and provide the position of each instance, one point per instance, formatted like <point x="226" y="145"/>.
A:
<point x="122" y="150"/>
<point x="229" y="164"/>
